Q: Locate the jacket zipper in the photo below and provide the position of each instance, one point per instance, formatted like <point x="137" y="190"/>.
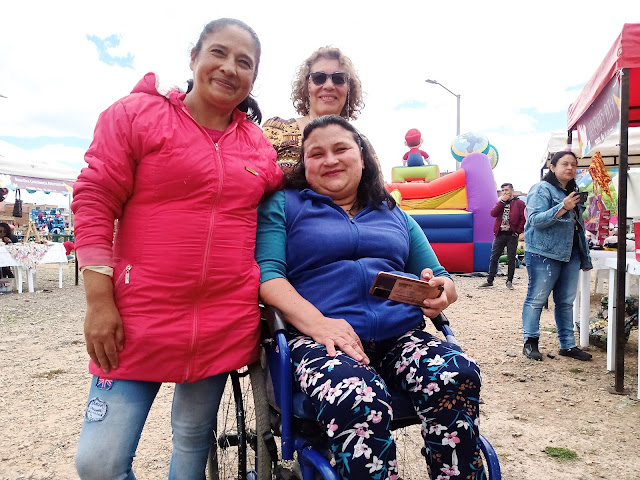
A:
<point x="194" y="334"/>
<point x="124" y="274"/>
<point x="372" y="330"/>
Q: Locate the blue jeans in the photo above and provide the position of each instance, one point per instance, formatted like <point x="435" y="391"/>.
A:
<point x="547" y="275"/>
<point x="116" y="413"/>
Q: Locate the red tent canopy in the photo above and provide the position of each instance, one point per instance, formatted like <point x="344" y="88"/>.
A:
<point x="620" y="70"/>
<point x="625" y="53"/>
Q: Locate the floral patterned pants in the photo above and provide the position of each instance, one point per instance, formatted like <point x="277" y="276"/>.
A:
<point x="353" y="403"/>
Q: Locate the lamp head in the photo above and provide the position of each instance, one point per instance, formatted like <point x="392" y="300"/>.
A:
<point x="431" y="81"/>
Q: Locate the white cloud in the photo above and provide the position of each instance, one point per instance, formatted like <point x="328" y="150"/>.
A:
<point x="503" y="59"/>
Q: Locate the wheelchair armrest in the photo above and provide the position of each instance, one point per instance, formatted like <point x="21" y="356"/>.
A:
<point x="279" y="362"/>
<point x="274" y="319"/>
<point x="441" y="322"/>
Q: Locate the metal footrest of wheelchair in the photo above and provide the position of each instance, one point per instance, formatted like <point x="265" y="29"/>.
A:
<point x="312" y="460"/>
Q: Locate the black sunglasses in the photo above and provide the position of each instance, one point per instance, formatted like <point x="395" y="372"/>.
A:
<point x="337" y="78"/>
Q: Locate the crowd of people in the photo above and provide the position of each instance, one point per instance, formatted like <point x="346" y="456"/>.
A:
<point x="313" y="227"/>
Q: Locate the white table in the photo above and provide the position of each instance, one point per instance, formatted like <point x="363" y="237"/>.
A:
<point x="632" y="268"/>
<point x="55" y="254"/>
<point x="581" y="305"/>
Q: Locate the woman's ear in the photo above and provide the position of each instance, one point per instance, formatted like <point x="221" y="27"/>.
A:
<point x="193" y="58"/>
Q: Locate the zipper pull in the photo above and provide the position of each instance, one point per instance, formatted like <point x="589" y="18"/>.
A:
<point x="126" y="274"/>
<point x="216" y="145"/>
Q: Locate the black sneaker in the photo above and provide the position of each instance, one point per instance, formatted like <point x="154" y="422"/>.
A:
<point x="486" y="285"/>
<point x="575" y="352"/>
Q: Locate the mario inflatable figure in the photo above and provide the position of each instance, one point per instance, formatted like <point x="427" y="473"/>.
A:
<point x="415" y="157"/>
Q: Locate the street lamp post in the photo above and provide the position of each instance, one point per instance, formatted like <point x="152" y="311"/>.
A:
<point x="435" y="82"/>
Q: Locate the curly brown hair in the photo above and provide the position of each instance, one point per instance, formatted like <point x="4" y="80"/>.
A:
<point x="300" y="85"/>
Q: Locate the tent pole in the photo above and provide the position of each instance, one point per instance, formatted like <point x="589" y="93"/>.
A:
<point x="622" y="231"/>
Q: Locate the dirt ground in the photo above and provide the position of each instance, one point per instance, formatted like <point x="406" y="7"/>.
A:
<point x="528" y="406"/>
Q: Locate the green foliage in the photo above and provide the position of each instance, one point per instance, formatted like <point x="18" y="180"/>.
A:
<point x="561" y="453"/>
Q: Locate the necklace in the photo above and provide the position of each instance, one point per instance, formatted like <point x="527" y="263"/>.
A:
<point x="353" y="207"/>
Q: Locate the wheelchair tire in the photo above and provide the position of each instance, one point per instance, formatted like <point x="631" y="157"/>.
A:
<point x="411" y="461"/>
<point x="490" y="460"/>
<point x="412" y="464"/>
<point x="238" y="449"/>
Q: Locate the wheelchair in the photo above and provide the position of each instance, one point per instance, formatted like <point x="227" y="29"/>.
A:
<point x="260" y="405"/>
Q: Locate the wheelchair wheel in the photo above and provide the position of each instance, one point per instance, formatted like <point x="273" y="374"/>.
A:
<point x="490" y="460"/>
<point x="238" y="450"/>
<point x="412" y="464"/>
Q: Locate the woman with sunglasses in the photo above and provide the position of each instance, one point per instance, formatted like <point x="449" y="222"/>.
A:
<point x="325" y="84"/>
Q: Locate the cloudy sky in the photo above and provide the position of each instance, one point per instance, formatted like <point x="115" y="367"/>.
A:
<point x="517" y="66"/>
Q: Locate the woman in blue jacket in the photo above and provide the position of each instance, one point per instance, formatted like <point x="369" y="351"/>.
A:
<point x="555" y="251"/>
<point x="320" y="244"/>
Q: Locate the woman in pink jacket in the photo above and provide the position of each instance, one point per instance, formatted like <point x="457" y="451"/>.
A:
<point x="158" y="311"/>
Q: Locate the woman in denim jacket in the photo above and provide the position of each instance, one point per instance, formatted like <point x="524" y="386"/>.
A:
<point x="555" y="252"/>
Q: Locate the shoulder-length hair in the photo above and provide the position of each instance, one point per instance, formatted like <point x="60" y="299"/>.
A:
<point x="300" y="85"/>
<point x="371" y="190"/>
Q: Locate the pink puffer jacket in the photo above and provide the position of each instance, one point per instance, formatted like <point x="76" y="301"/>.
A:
<point x="185" y="278"/>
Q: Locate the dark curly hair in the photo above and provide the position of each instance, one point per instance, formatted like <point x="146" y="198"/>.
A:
<point x="371" y="190"/>
<point x="249" y="105"/>
<point x="300" y="85"/>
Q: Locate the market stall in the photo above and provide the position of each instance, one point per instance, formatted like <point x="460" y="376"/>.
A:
<point x="20" y="176"/>
<point x="609" y="105"/>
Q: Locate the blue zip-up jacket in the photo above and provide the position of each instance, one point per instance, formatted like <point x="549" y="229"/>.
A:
<point x="332" y="260"/>
<point x="549" y="236"/>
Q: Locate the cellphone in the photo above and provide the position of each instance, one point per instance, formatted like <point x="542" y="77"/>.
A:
<point x="583" y="196"/>
<point x="404" y="290"/>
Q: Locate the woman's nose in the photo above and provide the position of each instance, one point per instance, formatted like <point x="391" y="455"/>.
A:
<point x="329" y="83"/>
<point x="331" y="159"/>
<point x="228" y="66"/>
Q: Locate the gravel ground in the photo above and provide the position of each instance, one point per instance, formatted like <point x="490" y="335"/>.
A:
<point x="528" y="406"/>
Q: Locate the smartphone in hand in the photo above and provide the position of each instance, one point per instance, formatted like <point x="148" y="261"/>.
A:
<point x="583" y="196"/>
<point x="404" y="290"/>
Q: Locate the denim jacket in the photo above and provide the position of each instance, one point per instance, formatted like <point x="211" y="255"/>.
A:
<point x="549" y="236"/>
